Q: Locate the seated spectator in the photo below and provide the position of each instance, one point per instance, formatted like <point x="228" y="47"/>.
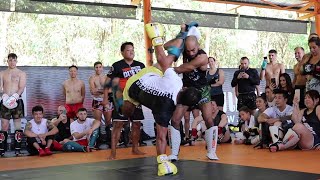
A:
<point x="198" y="127"/>
<point x="264" y="133"/>
<point x="286" y="85"/>
<point x="219" y="119"/>
<point x="270" y="96"/>
<point x="249" y="133"/>
<point x="84" y="131"/>
<point x="186" y="139"/>
<point x="63" y="125"/>
<point x="278" y="116"/>
<point x="306" y="131"/>
<point x="40" y="133"/>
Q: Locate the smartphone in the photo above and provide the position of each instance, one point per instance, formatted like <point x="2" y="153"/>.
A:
<point x="273" y="80"/>
<point x="297" y="94"/>
<point x="64" y="112"/>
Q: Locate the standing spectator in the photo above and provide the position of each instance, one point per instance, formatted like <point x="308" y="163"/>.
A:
<point x="246" y="79"/>
<point x="74" y="92"/>
<point x="309" y="69"/>
<point x="215" y="77"/>
<point x="271" y="71"/>
<point x="13" y="83"/>
<point x="299" y="80"/>
<point x="121" y="71"/>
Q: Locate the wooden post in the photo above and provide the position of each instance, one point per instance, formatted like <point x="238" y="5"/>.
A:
<point x="317" y="16"/>
<point x="147" y="19"/>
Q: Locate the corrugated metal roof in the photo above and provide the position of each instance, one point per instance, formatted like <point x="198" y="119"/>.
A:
<point x="276" y="2"/>
<point x="291" y="4"/>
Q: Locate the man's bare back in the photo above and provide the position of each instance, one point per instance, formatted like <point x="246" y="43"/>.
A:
<point x="13" y="81"/>
<point x="74" y="91"/>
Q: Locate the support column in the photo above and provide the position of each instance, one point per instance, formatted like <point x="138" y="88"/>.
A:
<point x="317" y="16"/>
<point x="147" y="19"/>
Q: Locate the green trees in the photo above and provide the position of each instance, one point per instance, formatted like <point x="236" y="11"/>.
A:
<point x="60" y="40"/>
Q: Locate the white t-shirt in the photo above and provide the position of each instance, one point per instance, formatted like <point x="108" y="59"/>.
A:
<point x="272" y="103"/>
<point x="40" y="128"/>
<point x="274" y="112"/>
<point x="76" y="127"/>
<point x="250" y="123"/>
<point x="167" y="85"/>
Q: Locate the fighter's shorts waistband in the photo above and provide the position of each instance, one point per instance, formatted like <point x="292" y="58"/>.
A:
<point x="74" y="104"/>
<point x="299" y="86"/>
<point x="98" y="99"/>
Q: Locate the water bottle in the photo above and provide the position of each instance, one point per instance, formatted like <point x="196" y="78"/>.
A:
<point x="264" y="63"/>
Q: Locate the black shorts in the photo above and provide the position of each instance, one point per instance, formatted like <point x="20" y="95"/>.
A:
<point x="137" y="115"/>
<point x="316" y="141"/>
<point x="15" y="113"/>
<point x="219" y="99"/>
<point x="248" y="100"/>
<point x="162" y="107"/>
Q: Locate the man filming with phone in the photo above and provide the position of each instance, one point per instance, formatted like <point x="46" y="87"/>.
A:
<point x="62" y="122"/>
<point x="271" y="71"/>
<point x="246" y="79"/>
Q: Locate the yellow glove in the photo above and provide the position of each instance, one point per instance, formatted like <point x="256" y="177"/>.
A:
<point x="155" y="32"/>
<point x="167" y="168"/>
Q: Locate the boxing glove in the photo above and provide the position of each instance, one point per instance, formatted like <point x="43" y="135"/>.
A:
<point x="155" y="32"/>
<point x="307" y="69"/>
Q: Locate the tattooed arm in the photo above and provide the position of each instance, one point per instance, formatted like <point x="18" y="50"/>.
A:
<point x="52" y="129"/>
<point x="28" y="132"/>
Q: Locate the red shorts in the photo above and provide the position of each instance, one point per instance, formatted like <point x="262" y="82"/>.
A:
<point x="83" y="142"/>
<point x="72" y="110"/>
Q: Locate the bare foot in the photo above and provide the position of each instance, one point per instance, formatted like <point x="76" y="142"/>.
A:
<point x="112" y="156"/>
<point x="183" y="27"/>
<point x="137" y="152"/>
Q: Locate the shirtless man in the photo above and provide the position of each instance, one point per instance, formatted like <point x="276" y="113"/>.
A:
<point x="13" y="83"/>
<point x="74" y="92"/>
<point x="272" y="70"/>
<point x="96" y="83"/>
<point x="299" y="80"/>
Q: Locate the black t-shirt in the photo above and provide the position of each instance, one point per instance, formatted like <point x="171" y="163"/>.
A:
<point x="124" y="71"/>
<point x="64" y="130"/>
<point x="246" y="86"/>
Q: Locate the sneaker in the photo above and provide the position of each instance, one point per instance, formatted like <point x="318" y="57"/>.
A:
<point x="41" y="152"/>
<point x="212" y="156"/>
<point x="173" y="158"/>
<point x="47" y="151"/>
